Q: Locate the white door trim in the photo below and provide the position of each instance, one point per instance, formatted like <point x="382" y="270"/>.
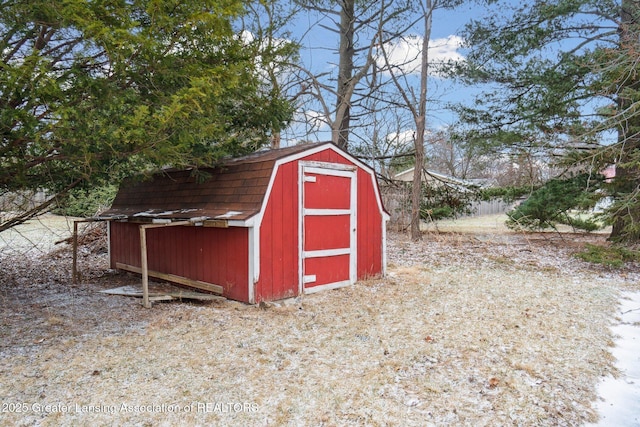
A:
<point x="330" y="169"/>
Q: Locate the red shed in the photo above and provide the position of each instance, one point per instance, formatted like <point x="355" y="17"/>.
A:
<point x="268" y="226"/>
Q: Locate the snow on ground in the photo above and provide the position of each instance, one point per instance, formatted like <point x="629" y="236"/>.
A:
<point x="37" y="236"/>
<point x="619" y="403"/>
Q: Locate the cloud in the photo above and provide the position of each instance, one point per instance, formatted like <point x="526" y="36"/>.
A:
<point x="405" y="53"/>
<point x="403" y="139"/>
<point x="314" y="119"/>
<point x="246" y="37"/>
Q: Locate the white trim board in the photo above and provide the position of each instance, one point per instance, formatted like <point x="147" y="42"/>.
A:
<point x="327" y="287"/>
<point x="340" y="170"/>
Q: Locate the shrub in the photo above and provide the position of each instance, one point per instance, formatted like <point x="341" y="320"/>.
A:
<point x="86" y="202"/>
<point x="507" y="194"/>
<point x="444" y="201"/>
<point x="612" y="256"/>
<point x="556" y="203"/>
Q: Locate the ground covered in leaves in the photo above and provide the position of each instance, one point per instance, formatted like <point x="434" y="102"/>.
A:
<point x="466" y="329"/>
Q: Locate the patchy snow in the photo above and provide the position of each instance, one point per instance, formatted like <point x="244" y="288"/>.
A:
<point x="154" y="213"/>
<point x="229" y="214"/>
<point x="37" y="236"/>
<point x="619" y="403"/>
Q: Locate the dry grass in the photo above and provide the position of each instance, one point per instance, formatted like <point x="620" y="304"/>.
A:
<point x="465" y="330"/>
<point x="494" y="224"/>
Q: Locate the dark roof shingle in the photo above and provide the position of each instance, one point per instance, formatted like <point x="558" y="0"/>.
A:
<point x="233" y="190"/>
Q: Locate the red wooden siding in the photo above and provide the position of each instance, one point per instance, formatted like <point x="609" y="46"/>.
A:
<point x="125" y="244"/>
<point x="326" y="232"/>
<point x="334" y="193"/>
<point x="279" y="238"/>
<point x="215" y="255"/>
<point x="338" y="272"/>
<point x="369" y="228"/>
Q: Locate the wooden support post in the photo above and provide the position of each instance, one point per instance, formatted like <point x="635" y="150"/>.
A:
<point x="74" y="268"/>
<point x="145" y="270"/>
<point x="143" y="255"/>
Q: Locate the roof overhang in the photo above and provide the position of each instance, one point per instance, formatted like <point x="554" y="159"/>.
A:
<point x="193" y="221"/>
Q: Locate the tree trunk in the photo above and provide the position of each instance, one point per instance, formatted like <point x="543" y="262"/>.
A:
<point x="342" y="122"/>
<point x="627" y="216"/>
<point x="626" y="224"/>
<point x="416" y="189"/>
<point x="275" y="140"/>
<point x="416" y="195"/>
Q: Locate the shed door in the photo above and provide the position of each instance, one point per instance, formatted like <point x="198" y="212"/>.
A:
<point x="328" y="222"/>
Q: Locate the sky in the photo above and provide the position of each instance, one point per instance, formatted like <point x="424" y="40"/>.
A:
<point x="318" y="54"/>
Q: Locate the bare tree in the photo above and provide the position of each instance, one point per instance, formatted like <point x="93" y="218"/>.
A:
<point x="358" y="27"/>
<point x="264" y="31"/>
<point x="416" y="104"/>
<point x="418" y="108"/>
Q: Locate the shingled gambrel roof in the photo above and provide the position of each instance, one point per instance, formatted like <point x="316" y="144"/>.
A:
<point x="234" y="190"/>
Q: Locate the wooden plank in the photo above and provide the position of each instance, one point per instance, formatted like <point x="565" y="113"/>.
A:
<point x="167" y="292"/>
<point x="127" y="291"/>
<point x="173" y="278"/>
<point x="196" y="295"/>
<point x="166" y="224"/>
<point x="219" y="223"/>
<point x="161" y="298"/>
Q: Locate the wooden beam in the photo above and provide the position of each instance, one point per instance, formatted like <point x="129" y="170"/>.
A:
<point x="165" y="224"/>
<point x="150" y="220"/>
<point x="217" y="289"/>
<point x="219" y="223"/>
<point x="144" y="268"/>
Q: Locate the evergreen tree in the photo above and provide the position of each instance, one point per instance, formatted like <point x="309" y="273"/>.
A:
<point x="90" y="91"/>
<point x="564" y="75"/>
<point x="559" y="201"/>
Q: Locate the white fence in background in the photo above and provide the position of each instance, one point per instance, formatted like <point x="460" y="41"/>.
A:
<point x="397" y="202"/>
